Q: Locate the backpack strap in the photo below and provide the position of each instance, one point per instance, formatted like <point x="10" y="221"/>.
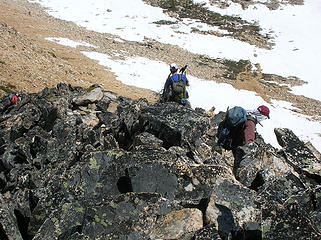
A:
<point x="184" y="86"/>
<point x="172" y="81"/>
<point x="251" y="118"/>
<point x="179" y="79"/>
<point x="171" y="78"/>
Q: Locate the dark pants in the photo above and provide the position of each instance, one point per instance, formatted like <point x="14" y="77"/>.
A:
<point x="249" y="132"/>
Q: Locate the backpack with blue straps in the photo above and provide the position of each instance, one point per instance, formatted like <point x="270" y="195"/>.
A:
<point x="231" y="127"/>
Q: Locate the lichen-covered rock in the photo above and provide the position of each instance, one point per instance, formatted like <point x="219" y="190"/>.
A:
<point x="63" y="222"/>
<point x="256" y="163"/>
<point x="287" y="209"/>
<point x="114" y="168"/>
<point x="298" y="155"/>
<point x="209" y="232"/>
<point x="173" y="123"/>
<point x="9" y="228"/>
<point x="177" y="223"/>
<point x="147" y="139"/>
<point x="295" y="218"/>
<point x="130" y="215"/>
<point x="231" y="206"/>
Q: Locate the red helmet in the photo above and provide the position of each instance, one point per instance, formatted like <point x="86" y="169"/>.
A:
<point x="14" y="99"/>
<point x="264" y="110"/>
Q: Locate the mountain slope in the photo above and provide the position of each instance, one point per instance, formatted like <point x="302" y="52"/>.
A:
<point x="29" y="62"/>
<point x="34" y="63"/>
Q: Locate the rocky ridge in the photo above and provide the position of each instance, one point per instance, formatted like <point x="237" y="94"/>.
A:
<point x="84" y="163"/>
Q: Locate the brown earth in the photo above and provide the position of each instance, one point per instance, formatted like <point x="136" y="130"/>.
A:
<point x="29" y="62"/>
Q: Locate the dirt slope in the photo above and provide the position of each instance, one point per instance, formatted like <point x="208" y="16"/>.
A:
<point x="29" y="63"/>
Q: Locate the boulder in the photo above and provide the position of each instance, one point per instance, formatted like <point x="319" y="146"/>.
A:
<point x="9" y="228"/>
<point x="80" y="165"/>
<point x="208" y="232"/>
<point x="92" y="96"/>
<point x="174" y="124"/>
<point x="289" y="209"/>
<point x="146" y="138"/>
<point x="126" y="216"/>
<point x="231" y="212"/>
<point x="181" y="222"/>
<point x="298" y="155"/>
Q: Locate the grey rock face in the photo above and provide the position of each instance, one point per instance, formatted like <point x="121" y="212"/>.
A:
<point x="173" y="123"/>
<point x="230" y="212"/>
<point x="298" y="155"/>
<point x="92" y="96"/>
<point x="90" y="165"/>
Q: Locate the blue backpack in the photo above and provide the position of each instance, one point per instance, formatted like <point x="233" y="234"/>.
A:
<point x="11" y="96"/>
<point x="231" y="127"/>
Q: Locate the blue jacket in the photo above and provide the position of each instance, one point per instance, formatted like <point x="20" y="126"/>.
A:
<point x="175" y="78"/>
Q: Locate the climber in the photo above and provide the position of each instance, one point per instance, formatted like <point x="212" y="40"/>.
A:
<point x="253" y="117"/>
<point x="175" y="86"/>
<point x="16" y="98"/>
<point x="13" y="98"/>
<point x="238" y="126"/>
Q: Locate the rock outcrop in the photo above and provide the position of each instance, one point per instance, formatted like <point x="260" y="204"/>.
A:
<point x="74" y="167"/>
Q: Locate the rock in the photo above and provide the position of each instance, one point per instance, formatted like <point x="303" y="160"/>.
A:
<point x="209" y="232"/>
<point x="294" y="218"/>
<point x="173" y="123"/>
<point x="91" y="97"/>
<point x="249" y="161"/>
<point x="147" y="139"/>
<point x="299" y="155"/>
<point x="9" y="228"/>
<point x="154" y="178"/>
<point x="229" y="213"/>
<point x="287" y="209"/>
<point x="78" y="236"/>
<point x="142" y="171"/>
<point x="3" y="181"/>
<point x="181" y="222"/>
<point x="131" y="215"/>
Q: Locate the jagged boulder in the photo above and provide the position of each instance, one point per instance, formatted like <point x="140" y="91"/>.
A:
<point x="209" y="232"/>
<point x="249" y="161"/>
<point x="257" y="163"/>
<point x="92" y="96"/>
<point x="127" y="216"/>
<point x="182" y="221"/>
<point x="174" y="124"/>
<point x="289" y="209"/>
<point x="231" y="208"/>
<point x="298" y="155"/>
<point x="148" y="139"/>
<point x="77" y="164"/>
<point x="9" y="228"/>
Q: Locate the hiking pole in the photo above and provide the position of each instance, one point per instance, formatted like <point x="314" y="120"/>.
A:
<point x="183" y="69"/>
<point x="258" y="122"/>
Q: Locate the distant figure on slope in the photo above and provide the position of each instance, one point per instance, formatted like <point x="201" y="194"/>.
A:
<point x="16" y="98"/>
<point x="175" y="86"/>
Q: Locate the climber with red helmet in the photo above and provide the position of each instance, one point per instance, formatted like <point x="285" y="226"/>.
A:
<point x="16" y="98"/>
<point x="253" y="117"/>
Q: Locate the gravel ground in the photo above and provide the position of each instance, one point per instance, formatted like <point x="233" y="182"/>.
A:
<point x="29" y="63"/>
